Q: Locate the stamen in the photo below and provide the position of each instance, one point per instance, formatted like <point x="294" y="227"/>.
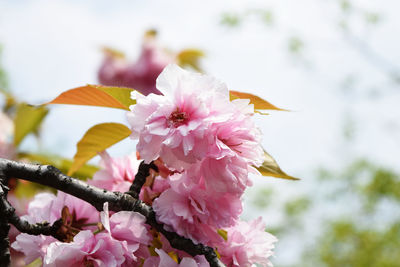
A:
<point x="177" y="118"/>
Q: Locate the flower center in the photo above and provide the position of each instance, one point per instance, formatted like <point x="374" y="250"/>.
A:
<point x="71" y="226"/>
<point x="177" y="118"/>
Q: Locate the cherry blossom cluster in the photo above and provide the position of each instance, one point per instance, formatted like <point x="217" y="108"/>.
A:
<point x="209" y="145"/>
<point x="116" y="71"/>
<point x="204" y="146"/>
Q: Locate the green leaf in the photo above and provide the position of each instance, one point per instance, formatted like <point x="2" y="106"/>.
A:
<point x="258" y="102"/>
<point x="122" y="94"/>
<point x="271" y="168"/>
<point x="26" y="190"/>
<point x="96" y="140"/>
<point x="97" y="95"/>
<point x="191" y="58"/>
<point x="230" y="19"/>
<point x="27" y="119"/>
<point x="295" y="45"/>
<point x="63" y="164"/>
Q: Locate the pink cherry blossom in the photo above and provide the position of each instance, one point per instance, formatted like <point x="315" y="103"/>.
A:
<point x="81" y="211"/>
<point x="237" y="135"/>
<point x="117" y="174"/>
<point x="194" y="125"/>
<point x="32" y="246"/>
<point x="38" y="211"/>
<point x="48" y="207"/>
<point x="126" y="225"/>
<point x="7" y="150"/>
<point x="164" y="260"/>
<point x="247" y="244"/>
<point x="140" y="75"/>
<point x="158" y="185"/>
<point x="234" y="152"/>
<point x="7" y="128"/>
<point x="86" y="248"/>
<point x="225" y="175"/>
<point x="194" y="212"/>
<point x="174" y="126"/>
<point x="130" y="229"/>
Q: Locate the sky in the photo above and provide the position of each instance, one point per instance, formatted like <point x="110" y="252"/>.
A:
<point x="51" y="46"/>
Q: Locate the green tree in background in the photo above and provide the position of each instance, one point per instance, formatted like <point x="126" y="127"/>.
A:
<point x="371" y="236"/>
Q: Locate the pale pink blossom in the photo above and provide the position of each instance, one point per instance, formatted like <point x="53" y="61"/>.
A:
<point x="48" y="207"/>
<point x="175" y="126"/>
<point x="86" y="249"/>
<point x="164" y="260"/>
<point x="20" y="204"/>
<point x="81" y="211"/>
<point x="152" y="191"/>
<point x="130" y="229"/>
<point x="140" y="75"/>
<point x="237" y="135"/>
<point x="234" y="152"/>
<point x="225" y="175"/>
<point x="32" y="246"/>
<point x="117" y="174"/>
<point x="247" y="244"/>
<point x="6" y="128"/>
<point x="39" y="210"/>
<point x="7" y="149"/>
<point x="192" y="211"/>
<point x="126" y="225"/>
<point x="194" y="126"/>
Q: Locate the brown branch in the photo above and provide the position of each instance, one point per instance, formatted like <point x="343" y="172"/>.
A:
<point x="52" y="177"/>
<point x="4" y="226"/>
<point x="24" y="226"/>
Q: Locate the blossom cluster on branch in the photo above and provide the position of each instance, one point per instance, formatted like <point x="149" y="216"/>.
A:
<point x="195" y="151"/>
<point x="209" y="145"/>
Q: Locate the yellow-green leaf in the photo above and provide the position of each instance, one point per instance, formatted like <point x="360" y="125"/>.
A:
<point x="63" y="164"/>
<point x="27" y="120"/>
<point x="97" y="139"/>
<point x="191" y="58"/>
<point x="26" y="190"/>
<point x="97" y="95"/>
<point x="258" y="102"/>
<point x="113" y="52"/>
<point x="271" y="168"/>
<point x="121" y="94"/>
<point x="223" y="233"/>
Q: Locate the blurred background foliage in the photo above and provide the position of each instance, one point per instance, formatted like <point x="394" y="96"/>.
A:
<point x="350" y="216"/>
<point x="365" y="229"/>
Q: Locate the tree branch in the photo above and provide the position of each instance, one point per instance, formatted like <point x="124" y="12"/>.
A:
<point x="4" y="226"/>
<point x="24" y="226"/>
<point x="52" y="177"/>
